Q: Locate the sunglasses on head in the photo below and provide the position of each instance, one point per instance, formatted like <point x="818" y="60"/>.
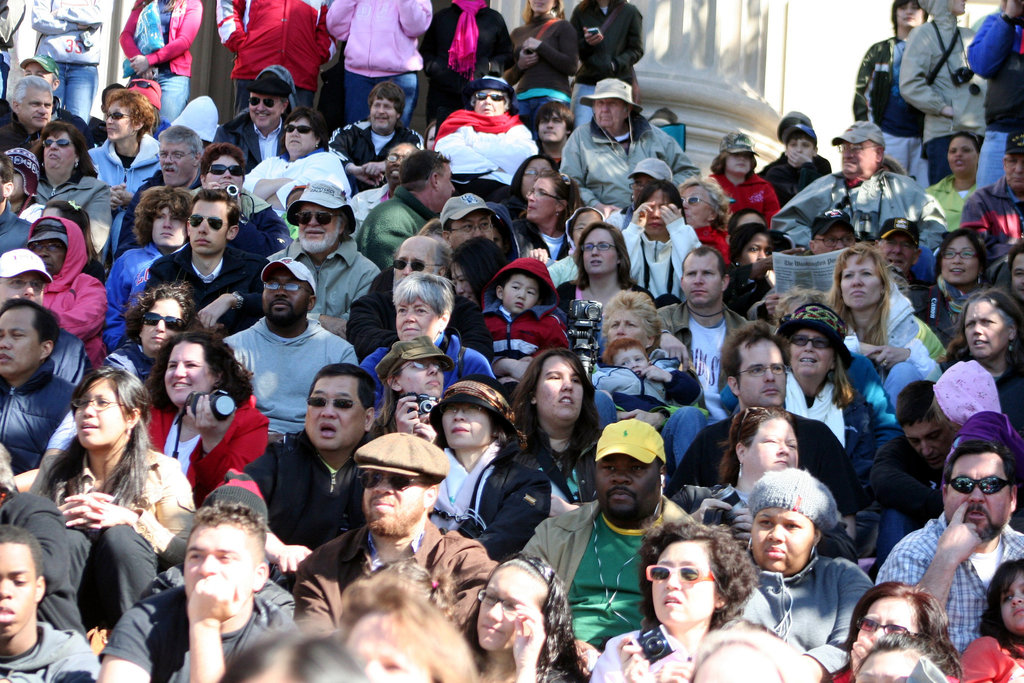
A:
<point x="322" y="217"/>
<point x="62" y="142"/>
<point x="493" y="96"/>
<point x="337" y="403"/>
<point x="169" y="320"/>
<point x="373" y="479"/>
<point x="401" y="263"/>
<point x="221" y="169"/>
<point x="195" y="220"/>
<point x="267" y="101"/>
<point x="988" y="485"/>
<point x="659" y="572"/>
<point x="302" y="130"/>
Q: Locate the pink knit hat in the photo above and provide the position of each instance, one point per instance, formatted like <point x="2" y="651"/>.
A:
<point x="965" y="389"/>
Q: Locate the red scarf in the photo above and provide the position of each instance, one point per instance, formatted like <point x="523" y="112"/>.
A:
<point x="462" y="55"/>
<point x="478" y="122"/>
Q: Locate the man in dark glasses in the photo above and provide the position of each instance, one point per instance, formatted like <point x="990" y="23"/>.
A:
<point x="284" y="348"/>
<point x="257" y="129"/>
<point x="308" y="479"/>
<point x="401" y="474"/>
<point x="226" y="281"/>
<point x="955" y="555"/>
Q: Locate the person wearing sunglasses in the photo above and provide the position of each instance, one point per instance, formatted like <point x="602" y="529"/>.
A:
<point x="694" y="579"/>
<point x="304" y="158"/>
<point x="805" y="598"/>
<point x="979" y="495"/>
<point x="890" y="608"/>
<point x="401" y="475"/>
<point x="130" y="154"/>
<point x="285" y="347"/>
<point x="412" y="374"/>
<point x="155" y="316"/>
<point x="226" y="281"/>
<point x="485" y="141"/>
<point x="308" y="479"/>
<point x="260" y="230"/>
<point x="258" y="129"/>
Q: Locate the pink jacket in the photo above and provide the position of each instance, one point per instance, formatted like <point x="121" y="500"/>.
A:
<point x="381" y="34"/>
<point x="186" y="17"/>
<point x="78" y="300"/>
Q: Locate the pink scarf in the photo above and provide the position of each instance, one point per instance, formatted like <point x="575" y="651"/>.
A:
<point x="462" y="55"/>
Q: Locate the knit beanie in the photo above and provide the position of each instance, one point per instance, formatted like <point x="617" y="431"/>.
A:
<point x="239" y="488"/>
<point x="797" y="491"/>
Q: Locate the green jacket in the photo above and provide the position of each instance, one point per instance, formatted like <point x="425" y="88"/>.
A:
<point x="562" y="541"/>
<point x="950" y="200"/>
<point x="389" y="224"/>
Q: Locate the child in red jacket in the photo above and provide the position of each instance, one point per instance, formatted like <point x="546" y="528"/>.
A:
<point x="733" y="168"/>
<point x="521" y="311"/>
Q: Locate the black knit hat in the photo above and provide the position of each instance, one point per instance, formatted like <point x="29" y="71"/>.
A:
<point x="240" y="488"/>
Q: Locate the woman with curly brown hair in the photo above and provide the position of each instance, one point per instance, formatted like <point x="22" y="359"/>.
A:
<point x="693" y="580"/>
<point x="157" y="314"/>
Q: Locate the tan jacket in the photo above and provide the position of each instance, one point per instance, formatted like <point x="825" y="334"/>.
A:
<point x="676" y="319"/>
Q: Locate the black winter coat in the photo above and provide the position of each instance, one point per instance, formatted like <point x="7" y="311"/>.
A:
<point x="354" y="144"/>
<point x="622" y="47"/>
<point x="241" y="132"/>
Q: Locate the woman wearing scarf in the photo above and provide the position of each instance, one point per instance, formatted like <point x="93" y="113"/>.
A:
<point x="486" y="495"/>
<point x="486" y="142"/>
<point x="962" y="263"/>
<point x="464" y="41"/>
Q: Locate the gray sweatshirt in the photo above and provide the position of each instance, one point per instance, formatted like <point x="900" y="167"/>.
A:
<point x="59" y="657"/>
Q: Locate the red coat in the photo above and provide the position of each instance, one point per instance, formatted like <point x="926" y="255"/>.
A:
<point x="533" y="330"/>
<point x="753" y="193"/>
<point x="245" y="440"/>
<point x="984" y="660"/>
<point x="712" y="237"/>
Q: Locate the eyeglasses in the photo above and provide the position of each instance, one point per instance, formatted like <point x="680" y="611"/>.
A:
<point x="845" y="147"/>
<point x="901" y="244"/>
<point x="397" y="157"/>
<point x="18" y="284"/>
<point x="302" y="130"/>
<point x="537" y="192"/>
<point x="62" y="142"/>
<point x="988" y="485"/>
<point x="531" y="171"/>
<point x="221" y="169"/>
<point x="139" y="84"/>
<point x="116" y="115"/>
<point x="44" y="246"/>
<point x="306" y="217"/>
<point x="470" y="228"/>
<point x="803" y="340"/>
<point x="419" y="365"/>
<point x="759" y="370"/>
<point x="493" y="96"/>
<point x="416" y="266"/>
<point x="831" y="242"/>
<point x="286" y="286"/>
<point x="100" y="402"/>
<point x="151" y="319"/>
<point x="467" y="409"/>
<point x="870" y="626"/>
<point x="337" y="403"/>
<point x="659" y="572"/>
<point x="267" y="101"/>
<point x="195" y="220"/>
<point x="488" y="601"/>
<point x="951" y="254"/>
<point x="176" y="156"/>
<point x="599" y="246"/>
<point x="693" y="200"/>
<point x="374" y="479"/>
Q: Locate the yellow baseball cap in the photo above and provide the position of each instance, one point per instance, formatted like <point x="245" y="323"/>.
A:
<point x="634" y="438"/>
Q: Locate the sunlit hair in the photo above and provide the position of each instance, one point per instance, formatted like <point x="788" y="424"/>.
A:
<point x="296" y="658"/>
<point x="876" y="332"/>
<point x="924" y="648"/>
<point x="640" y="305"/>
<point x="743" y="429"/>
<point x="152" y="203"/>
<point x="53" y="130"/>
<point x="1006" y="307"/>
<point x="716" y="197"/>
<point x="140" y="111"/>
<point x="795" y="298"/>
<point x="557" y="11"/>
<point x="179" y="292"/>
<point x="622" y="274"/>
<point x="231" y="375"/>
<point x="566" y="191"/>
<point x="617" y="346"/>
<point x="435" y="291"/>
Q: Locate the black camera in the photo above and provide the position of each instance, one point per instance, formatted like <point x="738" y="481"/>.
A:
<point x="425" y="403"/>
<point x="221" y="404"/>
<point x="654" y="644"/>
<point x="726" y="494"/>
<point x="584" y="322"/>
<point x="962" y="76"/>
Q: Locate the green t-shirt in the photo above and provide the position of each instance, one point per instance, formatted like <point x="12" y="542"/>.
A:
<point x="605" y="593"/>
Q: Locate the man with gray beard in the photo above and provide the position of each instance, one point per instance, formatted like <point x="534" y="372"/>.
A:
<point x="325" y="246"/>
<point x="955" y="556"/>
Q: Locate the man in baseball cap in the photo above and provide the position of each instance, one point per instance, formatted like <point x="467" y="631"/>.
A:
<point x="467" y="216"/>
<point x="900" y="242"/>
<point x="831" y="231"/>
<point x="285" y="349"/>
<point x="401" y="474"/>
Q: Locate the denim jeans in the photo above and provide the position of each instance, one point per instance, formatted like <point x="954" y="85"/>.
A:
<point x="358" y="87"/>
<point x="174" y="92"/>
<point x="679" y="432"/>
<point x="892" y="527"/>
<point x="582" y="112"/>
<point x="938" y="164"/>
<point x="5" y="71"/>
<point x="606" y="412"/>
<point x="528" y="112"/>
<point x="77" y="88"/>
<point x="990" y="162"/>
<point x="899" y="376"/>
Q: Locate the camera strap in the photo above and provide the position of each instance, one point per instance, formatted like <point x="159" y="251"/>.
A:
<point x="946" y="52"/>
<point x="547" y="463"/>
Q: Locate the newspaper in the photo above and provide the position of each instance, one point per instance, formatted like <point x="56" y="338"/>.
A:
<point x="810" y="270"/>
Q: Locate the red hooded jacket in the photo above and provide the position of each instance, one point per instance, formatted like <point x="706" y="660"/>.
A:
<point x="533" y="330"/>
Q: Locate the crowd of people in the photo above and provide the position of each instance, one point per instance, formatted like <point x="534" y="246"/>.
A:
<point x="311" y="396"/>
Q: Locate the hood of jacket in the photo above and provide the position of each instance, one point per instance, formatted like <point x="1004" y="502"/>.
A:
<point x="902" y="325"/>
<point x="547" y="299"/>
<point x="75" y="260"/>
<point x="939" y="12"/>
<point x="149" y="152"/>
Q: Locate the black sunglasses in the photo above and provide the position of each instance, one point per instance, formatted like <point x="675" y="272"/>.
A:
<point x="169" y="320"/>
<point x="322" y="217"/>
<point x="494" y="96"/>
<point x="195" y="220"/>
<point x="802" y="340"/>
<point x="988" y="485"/>
<point x="62" y="142"/>
<point x="303" y="130"/>
<point x="401" y="263"/>
<point x="116" y="115"/>
<point x="338" y="403"/>
<point x="267" y="101"/>
<point x="373" y="479"/>
<point x="221" y="169"/>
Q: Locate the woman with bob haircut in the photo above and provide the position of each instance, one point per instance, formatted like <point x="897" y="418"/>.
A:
<point x="128" y="508"/>
<point x="693" y="579"/>
<point x="187" y="370"/>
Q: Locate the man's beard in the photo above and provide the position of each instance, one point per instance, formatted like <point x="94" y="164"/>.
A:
<point x="283" y="319"/>
<point x="397" y="524"/>
<point x="318" y="246"/>
<point x="988" y="531"/>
